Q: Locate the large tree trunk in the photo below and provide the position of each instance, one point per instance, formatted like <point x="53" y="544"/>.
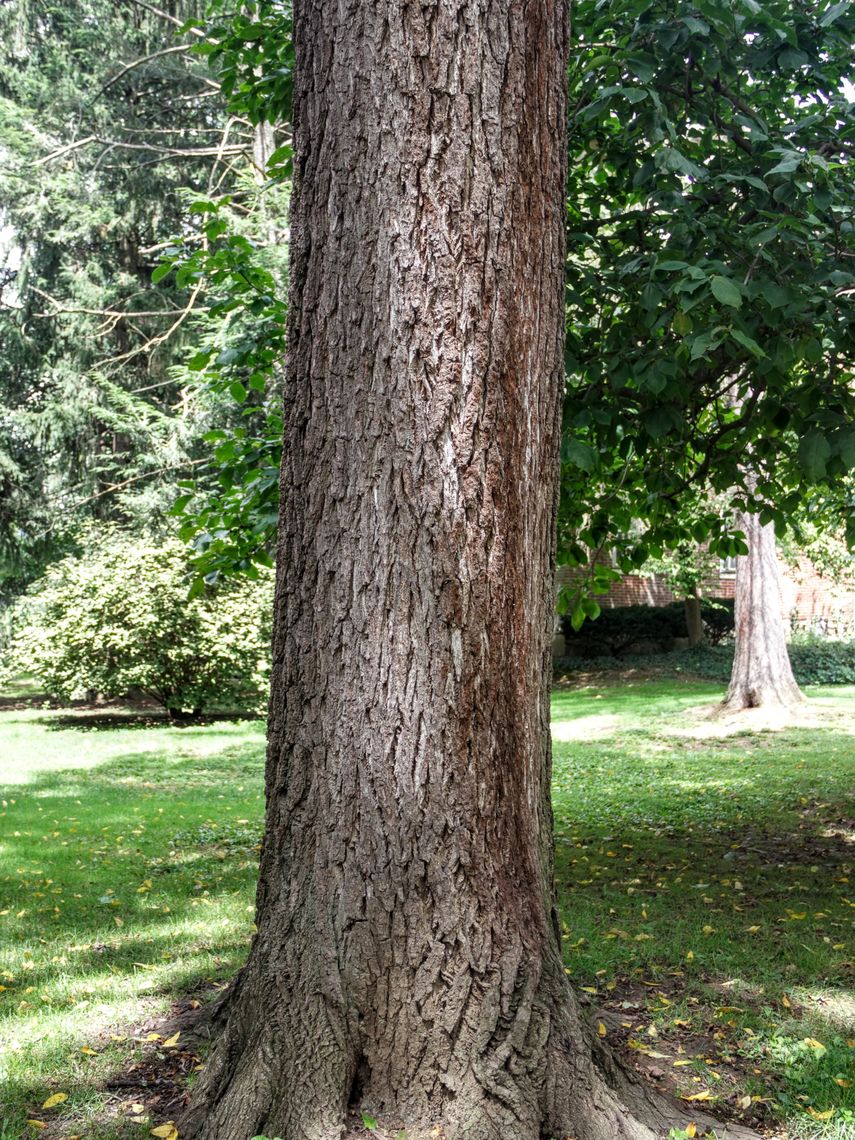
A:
<point x="407" y="957"/>
<point x="762" y="675"/>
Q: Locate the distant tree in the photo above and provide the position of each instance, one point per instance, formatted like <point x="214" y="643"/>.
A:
<point x="110" y="126"/>
<point x="762" y="675"/>
<point x="710" y="214"/>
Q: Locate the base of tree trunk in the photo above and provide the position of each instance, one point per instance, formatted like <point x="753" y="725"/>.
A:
<point x="741" y="698"/>
<point x="762" y="676"/>
<point x="583" y="1090"/>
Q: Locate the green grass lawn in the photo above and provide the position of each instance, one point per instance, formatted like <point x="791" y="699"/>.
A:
<point x="707" y="887"/>
<point x="706" y="884"/>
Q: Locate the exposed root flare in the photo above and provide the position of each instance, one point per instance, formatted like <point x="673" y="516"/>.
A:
<point x="258" y="1082"/>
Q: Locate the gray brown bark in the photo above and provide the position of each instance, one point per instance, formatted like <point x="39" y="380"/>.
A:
<point x="407" y="957"/>
<point x="694" y="620"/>
<point x="762" y="675"/>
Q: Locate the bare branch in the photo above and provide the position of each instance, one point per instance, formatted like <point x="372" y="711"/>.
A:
<point x="120" y="314"/>
<point x="166" y="16"/>
<point x="155" y="340"/>
<point x="168" y="152"/>
<point x="65" y="150"/>
<point x="138" y="63"/>
<point x="136" y="479"/>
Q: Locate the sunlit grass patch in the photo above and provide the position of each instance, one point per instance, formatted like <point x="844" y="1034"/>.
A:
<point x="706" y="884"/>
<point x="708" y="899"/>
<point x="128" y="855"/>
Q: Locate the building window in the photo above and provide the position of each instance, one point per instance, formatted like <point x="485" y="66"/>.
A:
<point x="727" y="566"/>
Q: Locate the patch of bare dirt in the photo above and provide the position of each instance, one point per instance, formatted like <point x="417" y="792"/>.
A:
<point x="678" y="1060"/>
<point x="712" y="721"/>
<point x="692" y="1063"/>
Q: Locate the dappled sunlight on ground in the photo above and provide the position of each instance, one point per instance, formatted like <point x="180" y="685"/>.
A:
<point x="706" y="884"/>
<point x="586" y="727"/>
<point x="705" y="722"/>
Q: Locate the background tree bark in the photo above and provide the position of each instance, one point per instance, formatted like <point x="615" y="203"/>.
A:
<point x="407" y="957"/>
<point x="762" y="675"/>
<point x="694" y="619"/>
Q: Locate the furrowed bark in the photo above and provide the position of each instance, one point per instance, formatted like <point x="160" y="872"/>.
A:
<point x="407" y="956"/>
<point x="694" y="619"/>
<point x="762" y="675"/>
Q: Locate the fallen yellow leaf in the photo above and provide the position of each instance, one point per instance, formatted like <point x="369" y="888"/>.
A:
<point x="827" y="1115"/>
<point x="705" y="1095"/>
<point x="166" y="1131"/>
<point x="814" y="1044"/>
<point x="601" y="1030"/>
<point x="691" y="1129"/>
<point x="36" y="1124"/>
<point x="89" y="1052"/>
<point x="53" y="1101"/>
<point x="844" y="1084"/>
<point x="173" y="1041"/>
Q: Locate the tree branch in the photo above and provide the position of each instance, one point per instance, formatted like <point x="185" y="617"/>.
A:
<point x="167" y="152"/>
<point x="166" y="16"/>
<point x="136" y="479"/>
<point x="119" y="314"/>
<point x="155" y="340"/>
<point x="138" y="63"/>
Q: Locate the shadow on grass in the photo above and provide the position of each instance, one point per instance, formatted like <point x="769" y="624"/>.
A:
<point x="682" y="866"/>
<point x="87" y="720"/>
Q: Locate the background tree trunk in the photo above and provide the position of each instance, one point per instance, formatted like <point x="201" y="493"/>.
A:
<point x="762" y="674"/>
<point x="694" y="619"/>
<point x="407" y="956"/>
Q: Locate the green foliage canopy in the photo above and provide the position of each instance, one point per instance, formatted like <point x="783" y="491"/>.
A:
<point x="710" y="275"/>
<point x="110" y="126"/>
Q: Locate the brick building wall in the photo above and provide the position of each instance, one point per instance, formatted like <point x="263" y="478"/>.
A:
<point x="809" y="600"/>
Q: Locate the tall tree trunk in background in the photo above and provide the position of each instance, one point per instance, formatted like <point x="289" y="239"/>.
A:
<point x="407" y="956"/>
<point x="694" y="619"/>
<point x="762" y="674"/>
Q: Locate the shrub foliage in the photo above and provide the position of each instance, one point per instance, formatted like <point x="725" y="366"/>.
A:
<point x="814" y="663"/>
<point x="118" y="620"/>
<point x="619" y="630"/>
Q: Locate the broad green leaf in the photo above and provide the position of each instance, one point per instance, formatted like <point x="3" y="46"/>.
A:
<point x="581" y="454"/>
<point x="786" y="165"/>
<point x="845" y="446"/>
<point x="814" y="452"/>
<point x="747" y="342"/>
<point x="725" y="290"/>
